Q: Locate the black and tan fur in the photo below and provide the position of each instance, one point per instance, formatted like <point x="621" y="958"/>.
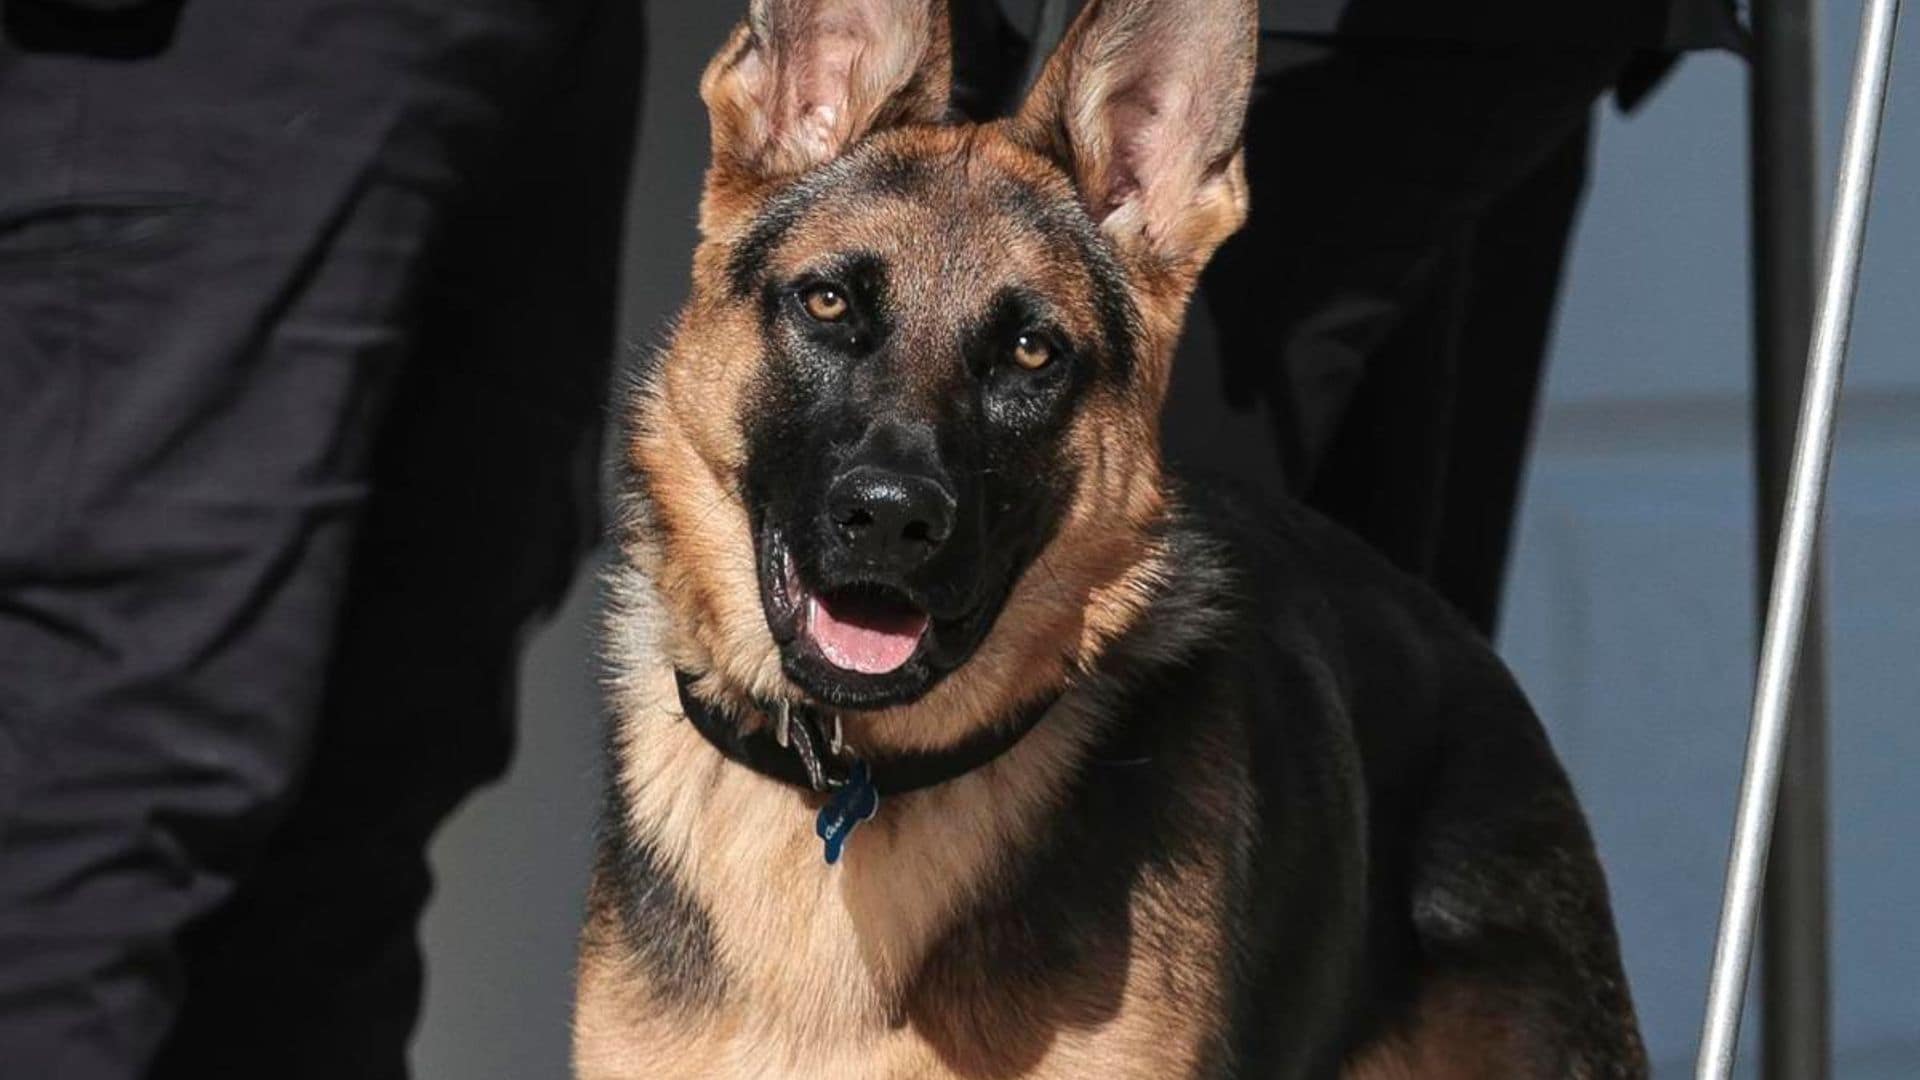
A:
<point x="1287" y="816"/>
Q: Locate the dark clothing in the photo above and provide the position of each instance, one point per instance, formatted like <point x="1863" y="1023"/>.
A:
<point x="1660" y="25"/>
<point x="1666" y="25"/>
<point x="305" y="309"/>
<point x="1388" y="304"/>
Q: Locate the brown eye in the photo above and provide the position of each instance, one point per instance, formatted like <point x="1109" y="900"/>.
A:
<point x="1032" y="352"/>
<point x="826" y="303"/>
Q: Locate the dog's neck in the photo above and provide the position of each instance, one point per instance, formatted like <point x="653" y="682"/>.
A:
<point x="805" y="745"/>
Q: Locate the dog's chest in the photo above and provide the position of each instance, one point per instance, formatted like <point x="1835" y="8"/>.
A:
<point x="884" y="965"/>
<point x="1133" y="1014"/>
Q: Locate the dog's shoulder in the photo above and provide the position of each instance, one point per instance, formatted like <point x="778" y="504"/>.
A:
<point x="1293" y="588"/>
<point x="1339" y="681"/>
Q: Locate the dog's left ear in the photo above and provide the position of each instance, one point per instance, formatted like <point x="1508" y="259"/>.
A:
<point x="801" y="80"/>
<point x="1144" y="103"/>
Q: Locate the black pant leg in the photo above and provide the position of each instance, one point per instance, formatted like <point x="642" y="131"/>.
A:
<point x="1339" y="312"/>
<point x="210" y="253"/>
<point x="1381" y="463"/>
<point x="1504" y="329"/>
<point x="1427" y="457"/>
<point x="1429" y="454"/>
<point x="484" y="502"/>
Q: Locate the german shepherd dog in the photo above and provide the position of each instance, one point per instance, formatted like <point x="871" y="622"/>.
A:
<point x="952" y="736"/>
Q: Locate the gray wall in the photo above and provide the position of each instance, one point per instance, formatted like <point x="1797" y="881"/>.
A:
<point x="512" y="865"/>
<point x="1631" y="606"/>
<point x="1630" y="610"/>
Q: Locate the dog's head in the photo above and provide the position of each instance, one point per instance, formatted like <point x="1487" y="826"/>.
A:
<point x="902" y="453"/>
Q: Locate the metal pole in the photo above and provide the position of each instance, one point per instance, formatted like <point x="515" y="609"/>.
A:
<point x="1784" y="130"/>
<point x="1786" y="610"/>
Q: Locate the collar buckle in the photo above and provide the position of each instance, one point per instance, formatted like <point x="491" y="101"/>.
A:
<point x="824" y="772"/>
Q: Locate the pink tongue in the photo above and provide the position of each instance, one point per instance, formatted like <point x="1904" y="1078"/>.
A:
<point x="863" y="639"/>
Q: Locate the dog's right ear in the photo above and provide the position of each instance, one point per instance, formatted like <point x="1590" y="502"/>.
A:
<point x="1143" y="104"/>
<point x="801" y="80"/>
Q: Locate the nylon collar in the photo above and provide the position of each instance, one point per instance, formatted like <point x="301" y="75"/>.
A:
<point x="812" y="760"/>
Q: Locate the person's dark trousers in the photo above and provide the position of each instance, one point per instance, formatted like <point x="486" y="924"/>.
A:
<point x="1388" y="305"/>
<point x="305" y="314"/>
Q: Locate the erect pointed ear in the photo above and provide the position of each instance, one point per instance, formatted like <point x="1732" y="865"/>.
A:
<point x="1143" y="103"/>
<point x="800" y="80"/>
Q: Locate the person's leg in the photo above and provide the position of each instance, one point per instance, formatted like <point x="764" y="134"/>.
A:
<point x="1518" y="260"/>
<point x="483" y="503"/>
<point x="1340" y="309"/>
<point x="1428" y="459"/>
<point x="989" y="59"/>
<point x="1380" y="452"/>
<point x="209" y="259"/>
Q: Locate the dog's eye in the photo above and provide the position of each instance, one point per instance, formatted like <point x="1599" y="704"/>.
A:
<point x="826" y="303"/>
<point x="1032" y="351"/>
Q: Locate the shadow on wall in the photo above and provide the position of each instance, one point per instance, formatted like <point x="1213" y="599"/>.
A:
<point x="512" y="866"/>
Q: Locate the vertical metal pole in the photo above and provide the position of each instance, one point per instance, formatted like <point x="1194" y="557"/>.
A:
<point x="1784" y="149"/>
<point x="1793" y="567"/>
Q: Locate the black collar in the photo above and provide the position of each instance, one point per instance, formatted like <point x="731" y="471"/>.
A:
<point x="810" y="760"/>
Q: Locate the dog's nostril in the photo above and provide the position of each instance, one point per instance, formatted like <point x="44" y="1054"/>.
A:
<point x="857" y="517"/>
<point x="924" y="533"/>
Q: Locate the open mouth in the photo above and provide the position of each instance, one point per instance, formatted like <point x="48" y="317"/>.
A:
<point x="862" y="628"/>
<point x="869" y="629"/>
<point x="857" y="642"/>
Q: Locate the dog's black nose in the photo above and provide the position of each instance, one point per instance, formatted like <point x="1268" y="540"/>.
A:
<point x="889" y="520"/>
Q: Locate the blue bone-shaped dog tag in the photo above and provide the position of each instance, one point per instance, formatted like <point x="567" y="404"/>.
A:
<point x="854" y="803"/>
